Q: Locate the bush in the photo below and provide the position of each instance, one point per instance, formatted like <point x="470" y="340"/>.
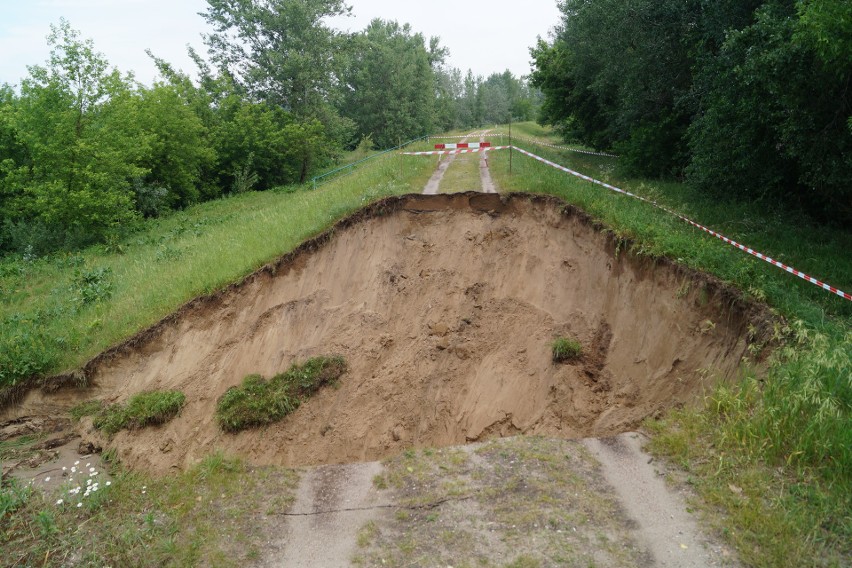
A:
<point x="565" y="349"/>
<point x="92" y="285"/>
<point x="259" y="401"/>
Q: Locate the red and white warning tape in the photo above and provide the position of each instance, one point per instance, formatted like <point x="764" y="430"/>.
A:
<point x="456" y="151"/>
<point x="483" y="135"/>
<point x="567" y="148"/>
<point x="529" y="140"/>
<point x="731" y="242"/>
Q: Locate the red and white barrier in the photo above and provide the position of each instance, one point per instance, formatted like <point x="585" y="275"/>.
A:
<point x="462" y="145"/>
<point x="479" y="148"/>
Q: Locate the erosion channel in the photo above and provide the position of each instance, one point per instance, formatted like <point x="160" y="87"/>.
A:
<point x="445" y="307"/>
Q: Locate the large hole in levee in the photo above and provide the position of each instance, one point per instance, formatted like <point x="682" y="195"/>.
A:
<point x="445" y="309"/>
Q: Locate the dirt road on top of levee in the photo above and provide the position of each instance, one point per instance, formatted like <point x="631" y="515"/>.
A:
<point x="517" y="501"/>
<point x="487" y="185"/>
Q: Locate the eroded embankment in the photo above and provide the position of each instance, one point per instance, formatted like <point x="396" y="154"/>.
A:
<point x="444" y="308"/>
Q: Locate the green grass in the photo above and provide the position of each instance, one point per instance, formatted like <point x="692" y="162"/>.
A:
<point x="565" y="349"/>
<point x="214" y="514"/>
<point x="45" y="328"/>
<point x="143" y="409"/>
<point x="462" y="174"/>
<point x="258" y="402"/>
<point x="784" y="436"/>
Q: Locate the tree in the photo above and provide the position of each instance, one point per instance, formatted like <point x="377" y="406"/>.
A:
<point x="179" y="150"/>
<point x="14" y="160"/>
<point x="78" y="120"/>
<point x="470" y="104"/>
<point x="448" y="92"/>
<point x="766" y="130"/>
<point x="280" y="51"/>
<point x="390" y="83"/>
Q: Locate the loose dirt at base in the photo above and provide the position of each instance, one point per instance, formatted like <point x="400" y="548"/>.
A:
<point x="444" y="308"/>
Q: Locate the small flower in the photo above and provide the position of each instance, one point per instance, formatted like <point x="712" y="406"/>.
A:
<point x="47" y="478"/>
<point x="88" y="464"/>
<point x="59" y="502"/>
<point x="77" y="462"/>
<point x="64" y="468"/>
<point x="91" y="470"/>
<point x="79" y="505"/>
<point x="73" y="470"/>
<point x="108" y="483"/>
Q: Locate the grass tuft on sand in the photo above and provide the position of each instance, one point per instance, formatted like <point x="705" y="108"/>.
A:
<point x="257" y="401"/>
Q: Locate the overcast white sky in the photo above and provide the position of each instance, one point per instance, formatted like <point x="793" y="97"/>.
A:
<point x="485" y="37"/>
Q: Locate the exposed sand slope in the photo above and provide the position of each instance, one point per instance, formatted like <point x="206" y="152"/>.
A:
<point x="444" y="307"/>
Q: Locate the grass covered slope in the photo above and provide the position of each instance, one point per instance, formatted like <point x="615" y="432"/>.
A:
<point x="775" y="450"/>
<point x="59" y="311"/>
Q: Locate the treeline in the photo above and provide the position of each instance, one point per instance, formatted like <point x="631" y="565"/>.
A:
<point x="85" y="152"/>
<point x="744" y="98"/>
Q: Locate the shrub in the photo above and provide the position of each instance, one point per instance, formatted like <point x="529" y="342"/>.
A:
<point x="259" y="401"/>
<point x="93" y="285"/>
<point x="565" y="349"/>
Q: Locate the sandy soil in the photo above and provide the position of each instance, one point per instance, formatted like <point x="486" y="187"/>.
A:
<point x="444" y="308"/>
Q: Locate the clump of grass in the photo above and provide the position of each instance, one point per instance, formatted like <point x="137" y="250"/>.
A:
<point x="13" y="495"/>
<point x="87" y="408"/>
<point x="565" y="349"/>
<point x="143" y="409"/>
<point x="259" y="401"/>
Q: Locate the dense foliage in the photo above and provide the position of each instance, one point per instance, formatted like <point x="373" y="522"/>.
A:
<point x="744" y="99"/>
<point x="85" y="151"/>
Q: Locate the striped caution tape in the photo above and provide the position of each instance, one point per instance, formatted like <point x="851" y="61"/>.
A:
<point x="464" y="136"/>
<point x="567" y="148"/>
<point x="456" y="151"/>
<point x="731" y="242"/>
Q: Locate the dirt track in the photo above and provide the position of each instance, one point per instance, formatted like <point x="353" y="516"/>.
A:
<point x="444" y="307"/>
<point x="433" y="186"/>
